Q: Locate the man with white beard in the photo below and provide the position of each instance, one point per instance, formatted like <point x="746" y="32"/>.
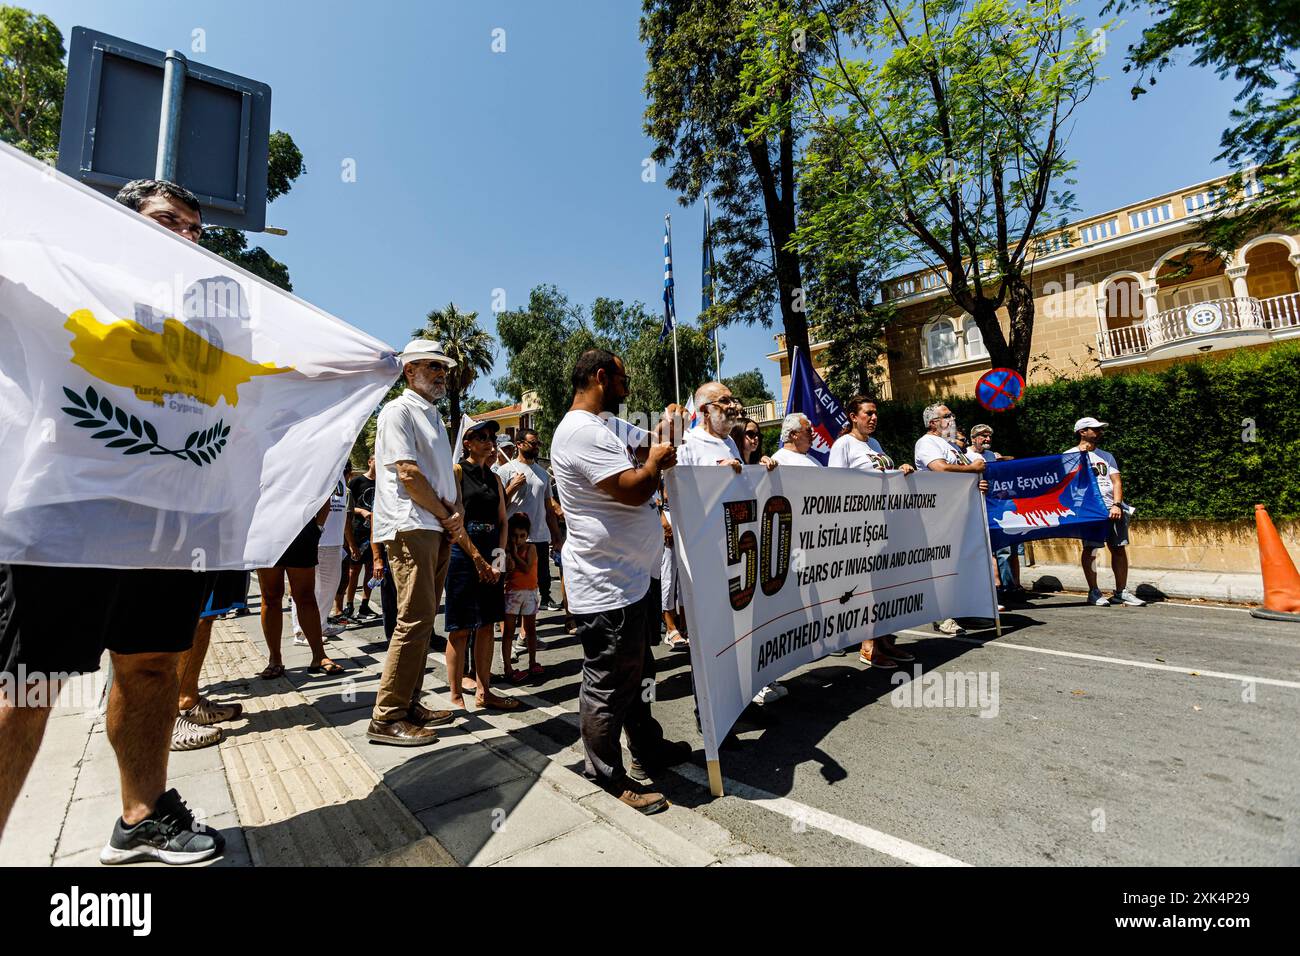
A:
<point x="796" y="439"/>
<point x="936" y="451"/>
<point x="709" y="443"/>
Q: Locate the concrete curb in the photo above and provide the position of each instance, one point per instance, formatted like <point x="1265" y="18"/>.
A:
<point x="1152" y="585"/>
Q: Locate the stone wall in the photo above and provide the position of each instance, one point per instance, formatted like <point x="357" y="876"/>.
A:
<point x="1214" y="546"/>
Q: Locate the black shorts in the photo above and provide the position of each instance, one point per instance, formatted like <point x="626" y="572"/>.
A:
<point x="302" y="552"/>
<point x="229" y="592"/>
<point x="56" y="620"/>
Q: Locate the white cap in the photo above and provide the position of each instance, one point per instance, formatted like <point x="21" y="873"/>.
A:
<point x="425" y="350"/>
<point x="1088" y="422"/>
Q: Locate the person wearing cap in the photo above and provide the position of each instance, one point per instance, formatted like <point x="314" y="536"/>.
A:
<point x="475" y="582"/>
<point x="1088" y="433"/>
<point x="936" y="451"/>
<point x="1008" y="558"/>
<point x="416" y="516"/>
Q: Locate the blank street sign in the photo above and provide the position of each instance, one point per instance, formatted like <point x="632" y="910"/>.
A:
<point x="110" y="127"/>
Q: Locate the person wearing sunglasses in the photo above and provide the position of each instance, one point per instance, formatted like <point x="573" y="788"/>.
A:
<point x="749" y="440"/>
<point x="710" y="443"/>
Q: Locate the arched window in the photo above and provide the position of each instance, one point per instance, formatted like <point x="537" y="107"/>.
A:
<point x="941" y="347"/>
<point x="974" y="339"/>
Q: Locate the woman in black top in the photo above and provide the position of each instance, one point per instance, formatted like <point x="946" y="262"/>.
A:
<point x="475" y="579"/>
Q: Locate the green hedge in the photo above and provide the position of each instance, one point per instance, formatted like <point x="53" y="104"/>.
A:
<point x="1177" y="433"/>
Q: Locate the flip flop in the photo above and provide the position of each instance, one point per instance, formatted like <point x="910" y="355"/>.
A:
<point x="272" y="671"/>
<point x="329" y="668"/>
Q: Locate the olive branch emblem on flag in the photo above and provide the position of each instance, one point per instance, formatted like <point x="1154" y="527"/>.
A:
<point x="135" y="436"/>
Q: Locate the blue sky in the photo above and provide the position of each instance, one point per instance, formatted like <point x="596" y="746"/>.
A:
<point x="478" y="170"/>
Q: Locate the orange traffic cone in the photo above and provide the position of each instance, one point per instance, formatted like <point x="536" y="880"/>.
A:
<point x="1281" y="580"/>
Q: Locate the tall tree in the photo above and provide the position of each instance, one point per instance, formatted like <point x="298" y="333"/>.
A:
<point x="1255" y="42"/>
<point x="471" y="348"/>
<point x="937" y="129"/>
<point x="284" y="166"/>
<point x="32" y="78"/>
<point x="698" y="119"/>
<point x="750" y="387"/>
<point x="544" y="339"/>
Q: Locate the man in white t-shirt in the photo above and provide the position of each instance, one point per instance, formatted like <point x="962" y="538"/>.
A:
<point x="527" y="487"/>
<point x="610" y="557"/>
<point x="1088" y="433"/>
<point x="796" y="439"/>
<point x="416" y="516"/>
<point x="936" y="451"/>
<point x="709" y="443"/>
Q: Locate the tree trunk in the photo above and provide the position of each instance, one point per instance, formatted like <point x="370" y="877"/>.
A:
<point x="1020" y="306"/>
<point x="780" y="211"/>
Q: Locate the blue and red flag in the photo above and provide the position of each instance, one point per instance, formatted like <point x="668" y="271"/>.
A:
<point x="810" y="395"/>
<point x="1053" y="497"/>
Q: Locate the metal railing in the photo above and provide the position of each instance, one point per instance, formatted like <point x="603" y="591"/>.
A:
<point x="765" y="412"/>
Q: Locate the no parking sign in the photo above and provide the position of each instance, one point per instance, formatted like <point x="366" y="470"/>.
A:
<point x="999" y="389"/>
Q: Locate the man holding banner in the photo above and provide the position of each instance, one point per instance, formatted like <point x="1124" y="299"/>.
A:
<point x="105" y="372"/>
<point x="935" y="451"/>
<point x="614" y="544"/>
<point x="1088" y="432"/>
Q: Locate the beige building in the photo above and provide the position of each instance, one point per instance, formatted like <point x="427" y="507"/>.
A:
<point x="514" y="418"/>
<point x="1111" y="292"/>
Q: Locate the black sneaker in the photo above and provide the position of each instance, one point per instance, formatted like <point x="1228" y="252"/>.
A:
<point x="364" y="613"/>
<point x="168" y="834"/>
<point x="669" y="755"/>
<point x="551" y="606"/>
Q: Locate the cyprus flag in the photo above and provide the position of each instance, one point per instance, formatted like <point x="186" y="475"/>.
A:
<point x="159" y="407"/>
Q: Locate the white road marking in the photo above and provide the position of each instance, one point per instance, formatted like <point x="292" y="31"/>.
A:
<point x="1270" y="681"/>
<point x="791" y="809"/>
<point x="844" y="829"/>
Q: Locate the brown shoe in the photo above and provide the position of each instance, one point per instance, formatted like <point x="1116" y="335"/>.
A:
<point x="402" y="733"/>
<point x="644" y="801"/>
<point x="419" y="714"/>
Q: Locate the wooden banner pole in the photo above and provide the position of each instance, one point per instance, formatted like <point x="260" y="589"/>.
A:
<point x="715" y="777"/>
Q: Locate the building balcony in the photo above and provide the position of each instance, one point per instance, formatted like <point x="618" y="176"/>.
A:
<point x="1202" y="327"/>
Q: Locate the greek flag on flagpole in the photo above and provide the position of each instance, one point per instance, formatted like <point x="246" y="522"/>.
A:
<point x="670" y="309"/>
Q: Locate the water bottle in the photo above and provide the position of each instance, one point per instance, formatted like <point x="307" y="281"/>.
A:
<point x="373" y="583"/>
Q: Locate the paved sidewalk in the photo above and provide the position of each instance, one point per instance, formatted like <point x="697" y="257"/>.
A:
<point x="1151" y="585"/>
<point x="295" y="782"/>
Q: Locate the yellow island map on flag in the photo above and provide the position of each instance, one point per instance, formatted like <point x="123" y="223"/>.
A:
<point x="159" y="406"/>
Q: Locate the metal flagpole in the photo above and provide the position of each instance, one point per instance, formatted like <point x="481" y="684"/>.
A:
<point x="677" y="385"/>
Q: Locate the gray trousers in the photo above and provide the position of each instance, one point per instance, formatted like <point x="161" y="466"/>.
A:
<point x="618" y="677"/>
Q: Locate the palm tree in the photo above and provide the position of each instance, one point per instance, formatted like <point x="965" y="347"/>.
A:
<point x="468" y="345"/>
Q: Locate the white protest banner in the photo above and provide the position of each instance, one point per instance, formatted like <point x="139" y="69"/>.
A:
<point x="159" y="406"/>
<point x="779" y="568"/>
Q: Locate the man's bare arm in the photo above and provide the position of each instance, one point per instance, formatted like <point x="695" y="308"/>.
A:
<point x="636" y="486"/>
<point x="421" y="492"/>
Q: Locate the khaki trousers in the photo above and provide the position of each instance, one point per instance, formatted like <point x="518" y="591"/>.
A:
<point x="417" y="560"/>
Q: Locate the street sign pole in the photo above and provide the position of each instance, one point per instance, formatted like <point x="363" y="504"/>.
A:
<point x="169" y="117"/>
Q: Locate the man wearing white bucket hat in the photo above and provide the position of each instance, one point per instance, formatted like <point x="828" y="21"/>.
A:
<point x="416" y="516"/>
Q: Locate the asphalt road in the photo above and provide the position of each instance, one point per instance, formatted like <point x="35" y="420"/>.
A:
<point x="1101" y="747"/>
